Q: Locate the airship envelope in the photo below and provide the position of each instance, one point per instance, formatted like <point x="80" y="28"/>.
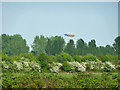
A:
<point x="69" y="34"/>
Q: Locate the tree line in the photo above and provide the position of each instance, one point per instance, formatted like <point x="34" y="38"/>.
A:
<point x="15" y="44"/>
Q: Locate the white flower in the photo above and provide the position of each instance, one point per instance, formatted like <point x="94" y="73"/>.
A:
<point x="22" y="58"/>
<point x="102" y="67"/>
<point x="5" y="65"/>
<point x="58" y="64"/>
<point x="56" y="67"/>
<point x="39" y="70"/>
<point x="18" y="65"/>
<point x="110" y="64"/>
<point x="26" y="64"/>
<point x="91" y="67"/>
<point x="80" y="67"/>
<point x="35" y="65"/>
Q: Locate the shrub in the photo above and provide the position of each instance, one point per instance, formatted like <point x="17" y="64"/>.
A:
<point x="88" y="58"/>
<point x="103" y="58"/>
<point x="52" y="59"/>
<point x="29" y="56"/>
<point x="112" y="58"/>
<point x="79" y="67"/>
<point x="64" y="57"/>
<point x="54" y="67"/>
<point x="77" y="58"/>
<point x="43" y="60"/>
<point x="6" y="58"/>
<point x="67" y="67"/>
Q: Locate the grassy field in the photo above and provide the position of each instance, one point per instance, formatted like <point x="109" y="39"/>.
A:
<point x="60" y="80"/>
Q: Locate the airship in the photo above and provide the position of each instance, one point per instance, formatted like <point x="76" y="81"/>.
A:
<point x="69" y="34"/>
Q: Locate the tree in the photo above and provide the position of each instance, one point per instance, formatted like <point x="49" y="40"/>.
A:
<point x="55" y="45"/>
<point x="92" y="47"/>
<point x="109" y="49"/>
<point x="101" y="50"/>
<point x="39" y="44"/>
<point x="43" y="60"/>
<point x="0" y="44"/>
<point x="116" y="45"/>
<point x="13" y="45"/>
<point x="70" y="48"/>
<point x="81" y="47"/>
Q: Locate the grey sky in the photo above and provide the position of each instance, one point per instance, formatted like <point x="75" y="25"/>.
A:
<point x="87" y="20"/>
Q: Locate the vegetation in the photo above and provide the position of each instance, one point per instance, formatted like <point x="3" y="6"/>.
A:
<point x="52" y="64"/>
<point x="61" y="80"/>
<point x="15" y="44"/>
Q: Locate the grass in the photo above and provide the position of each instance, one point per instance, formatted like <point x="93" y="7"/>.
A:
<point x="60" y="80"/>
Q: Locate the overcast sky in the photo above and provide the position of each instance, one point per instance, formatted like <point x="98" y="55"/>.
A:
<point x="87" y="20"/>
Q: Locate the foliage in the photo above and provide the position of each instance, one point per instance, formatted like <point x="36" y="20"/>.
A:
<point x="77" y="58"/>
<point x="67" y="67"/>
<point x="116" y="45"/>
<point x="70" y="48"/>
<point x="52" y="59"/>
<point x="13" y="45"/>
<point x="81" y="47"/>
<point x="103" y="58"/>
<point x="39" y="44"/>
<point x="64" y="57"/>
<point x="59" y="80"/>
<point x="43" y="60"/>
<point x="62" y="61"/>
<point x="55" y="45"/>
<point x="55" y="67"/>
<point x="89" y="58"/>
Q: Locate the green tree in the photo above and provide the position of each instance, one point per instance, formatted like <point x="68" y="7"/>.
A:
<point x="92" y="47"/>
<point x="109" y="49"/>
<point x="43" y="60"/>
<point x="116" y="45"/>
<point x="55" y="45"/>
<point x="101" y="50"/>
<point x="81" y="47"/>
<point x="13" y="45"/>
<point x="64" y="57"/>
<point x="70" y="48"/>
<point x="39" y="44"/>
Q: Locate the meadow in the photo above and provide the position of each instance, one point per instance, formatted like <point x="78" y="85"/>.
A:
<point x="60" y="71"/>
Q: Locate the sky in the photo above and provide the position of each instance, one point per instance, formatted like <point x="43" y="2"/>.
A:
<point x="87" y="20"/>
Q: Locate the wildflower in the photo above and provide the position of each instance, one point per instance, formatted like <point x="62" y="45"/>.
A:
<point x="18" y="65"/>
<point x="110" y="64"/>
<point x="56" y="67"/>
<point x="80" y="67"/>
<point x="5" y="65"/>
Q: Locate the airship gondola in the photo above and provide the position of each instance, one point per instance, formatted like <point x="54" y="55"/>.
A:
<point x="69" y="34"/>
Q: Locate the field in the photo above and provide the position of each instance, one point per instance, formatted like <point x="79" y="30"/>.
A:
<point x="60" y="71"/>
<point x="60" y="80"/>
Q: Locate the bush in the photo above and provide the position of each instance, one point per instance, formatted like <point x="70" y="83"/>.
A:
<point x="6" y="58"/>
<point x="77" y="58"/>
<point x="52" y="59"/>
<point x="103" y="58"/>
<point x="43" y="60"/>
<point x="66" y="67"/>
<point x="64" y="57"/>
<point x="88" y="58"/>
<point x="29" y="56"/>
<point x="113" y="58"/>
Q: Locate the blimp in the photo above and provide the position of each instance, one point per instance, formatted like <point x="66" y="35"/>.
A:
<point x="69" y="34"/>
